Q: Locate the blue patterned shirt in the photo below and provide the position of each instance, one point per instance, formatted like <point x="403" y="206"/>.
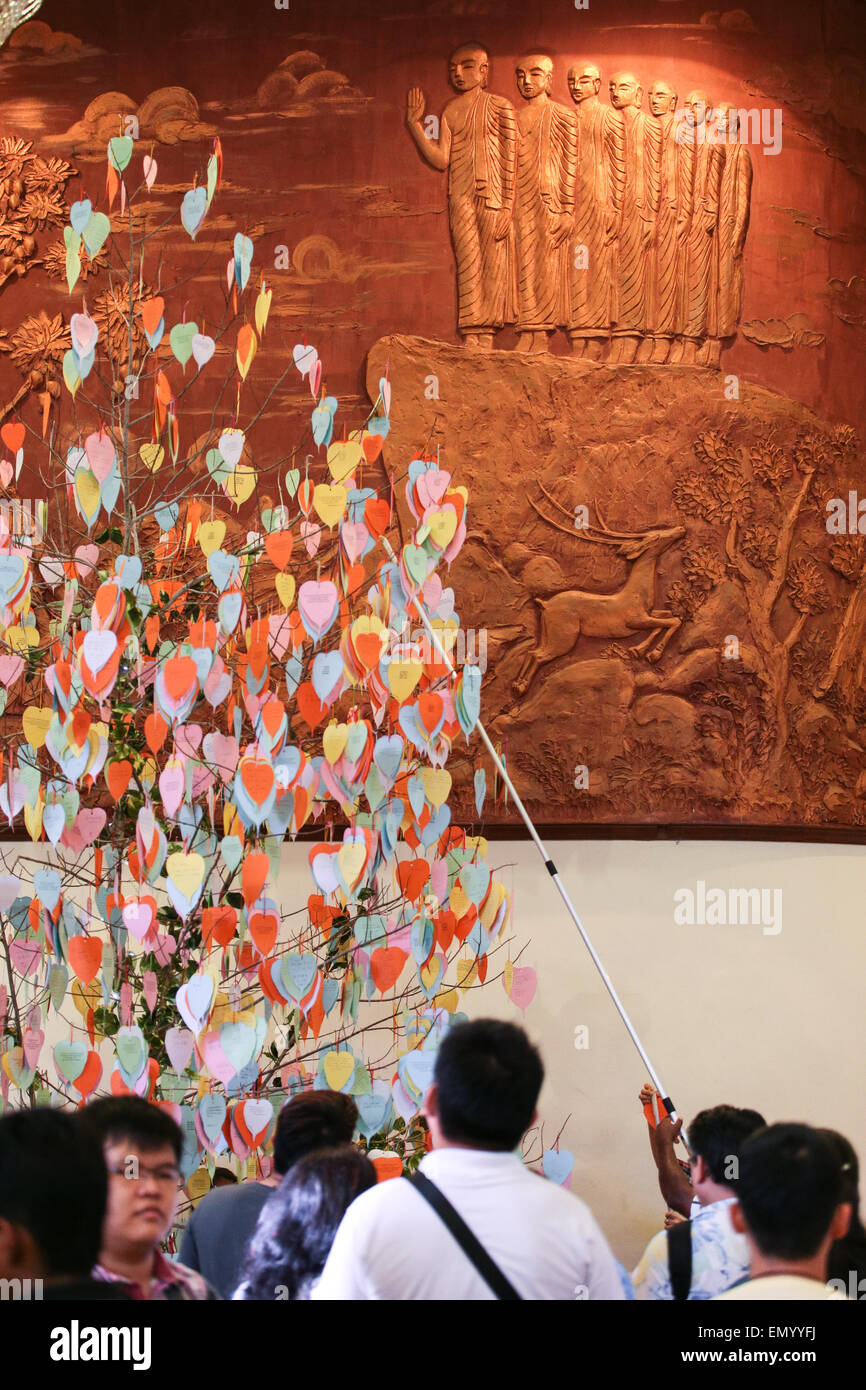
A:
<point x="720" y="1257"/>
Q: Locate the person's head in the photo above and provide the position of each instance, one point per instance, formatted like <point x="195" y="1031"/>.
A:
<point x="534" y="75"/>
<point x="584" y="80"/>
<point x="297" y="1226"/>
<point x="312" y="1120"/>
<point x="790" y="1195"/>
<point x="53" y="1188"/>
<point x="716" y="1137"/>
<point x="849" y="1165"/>
<point x="662" y="97"/>
<point x="625" y="90"/>
<point x="722" y="124"/>
<point x="485" y="1086"/>
<point x="468" y="67"/>
<point x="847" y="1254"/>
<point x="224" y="1177"/>
<point x="142" y="1147"/>
<point x="697" y="107"/>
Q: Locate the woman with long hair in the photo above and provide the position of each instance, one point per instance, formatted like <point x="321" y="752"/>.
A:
<point x="297" y="1226"/>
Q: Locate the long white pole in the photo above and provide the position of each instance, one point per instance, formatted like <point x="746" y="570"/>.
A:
<point x="548" y="862"/>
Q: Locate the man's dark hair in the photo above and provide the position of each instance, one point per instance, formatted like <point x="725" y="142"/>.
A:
<point x="718" y="1135"/>
<point x="488" y="1076"/>
<point x="224" y="1175"/>
<point x="53" y="1182"/>
<point x="790" y="1186"/>
<point x="115" y="1119"/>
<point x="312" y="1120"/>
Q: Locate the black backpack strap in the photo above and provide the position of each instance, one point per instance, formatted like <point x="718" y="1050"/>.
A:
<point x="680" y="1259"/>
<point x="469" y="1244"/>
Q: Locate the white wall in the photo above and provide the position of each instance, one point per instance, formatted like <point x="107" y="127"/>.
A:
<point x="727" y="1013"/>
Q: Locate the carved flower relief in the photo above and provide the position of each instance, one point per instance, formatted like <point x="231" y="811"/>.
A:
<point x="718" y="496"/>
<point x="17" y="245"/>
<point x="758" y="544"/>
<point x="17" y="160"/>
<point x="704" y="567"/>
<point x="51" y="171"/>
<point x="845" y="439"/>
<point x="769" y="465"/>
<point x="846" y="555"/>
<point x="806" y="588"/>
<point x="809" y="658"/>
<point x="42" y="206"/>
<point x="31" y="198"/>
<point x="37" y="347"/>
<point x="14" y="154"/>
<point x="111" y="313"/>
<point x="694" y="495"/>
<point x="42" y="337"/>
<point x="682" y="600"/>
<point x="54" y="262"/>
<point x="714" y="447"/>
<point x="643" y="770"/>
<point x="812" y="453"/>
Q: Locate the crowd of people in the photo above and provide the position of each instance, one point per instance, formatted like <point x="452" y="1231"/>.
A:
<point x="87" y="1198"/>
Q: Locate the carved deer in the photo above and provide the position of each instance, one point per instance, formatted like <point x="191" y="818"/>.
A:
<point x="629" y="610"/>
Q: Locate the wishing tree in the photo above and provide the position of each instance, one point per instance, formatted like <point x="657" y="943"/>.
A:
<point x="192" y="670"/>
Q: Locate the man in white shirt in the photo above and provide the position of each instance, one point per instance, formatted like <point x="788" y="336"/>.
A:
<point x="790" y="1210"/>
<point x="713" y="1254"/>
<point x="391" y="1244"/>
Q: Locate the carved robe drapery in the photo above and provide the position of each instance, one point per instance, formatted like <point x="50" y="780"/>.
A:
<point x="546" y="173"/>
<point x="734" y="199"/>
<point x="700" y="280"/>
<point x="631" y="198"/>
<point x="481" y="173"/>
<point x="669" y="169"/>
<point x="589" y="271"/>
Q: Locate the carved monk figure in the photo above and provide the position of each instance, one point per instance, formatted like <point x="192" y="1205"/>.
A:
<point x="697" y="302"/>
<point x="733" y="223"/>
<point x="590" y="252"/>
<point x="543" y="216"/>
<point x="669" y="173"/>
<point x="477" y="144"/>
<point x="631" y="198"/>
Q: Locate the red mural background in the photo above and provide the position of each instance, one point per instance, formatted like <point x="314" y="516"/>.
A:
<point x="351" y="227"/>
<point x="344" y="167"/>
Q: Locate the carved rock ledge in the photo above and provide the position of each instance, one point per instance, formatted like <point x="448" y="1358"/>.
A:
<point x="682" y="730"/>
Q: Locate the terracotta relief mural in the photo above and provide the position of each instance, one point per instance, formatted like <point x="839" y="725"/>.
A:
<point x="669" y="630"/>
<point x="612" y="264"/>
<point x="662" y="198"/>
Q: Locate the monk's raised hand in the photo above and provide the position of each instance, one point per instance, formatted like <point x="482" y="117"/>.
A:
<point x="414" y="105"/>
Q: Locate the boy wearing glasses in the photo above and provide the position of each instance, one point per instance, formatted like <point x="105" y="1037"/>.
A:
<point x="142" y="1147"/>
